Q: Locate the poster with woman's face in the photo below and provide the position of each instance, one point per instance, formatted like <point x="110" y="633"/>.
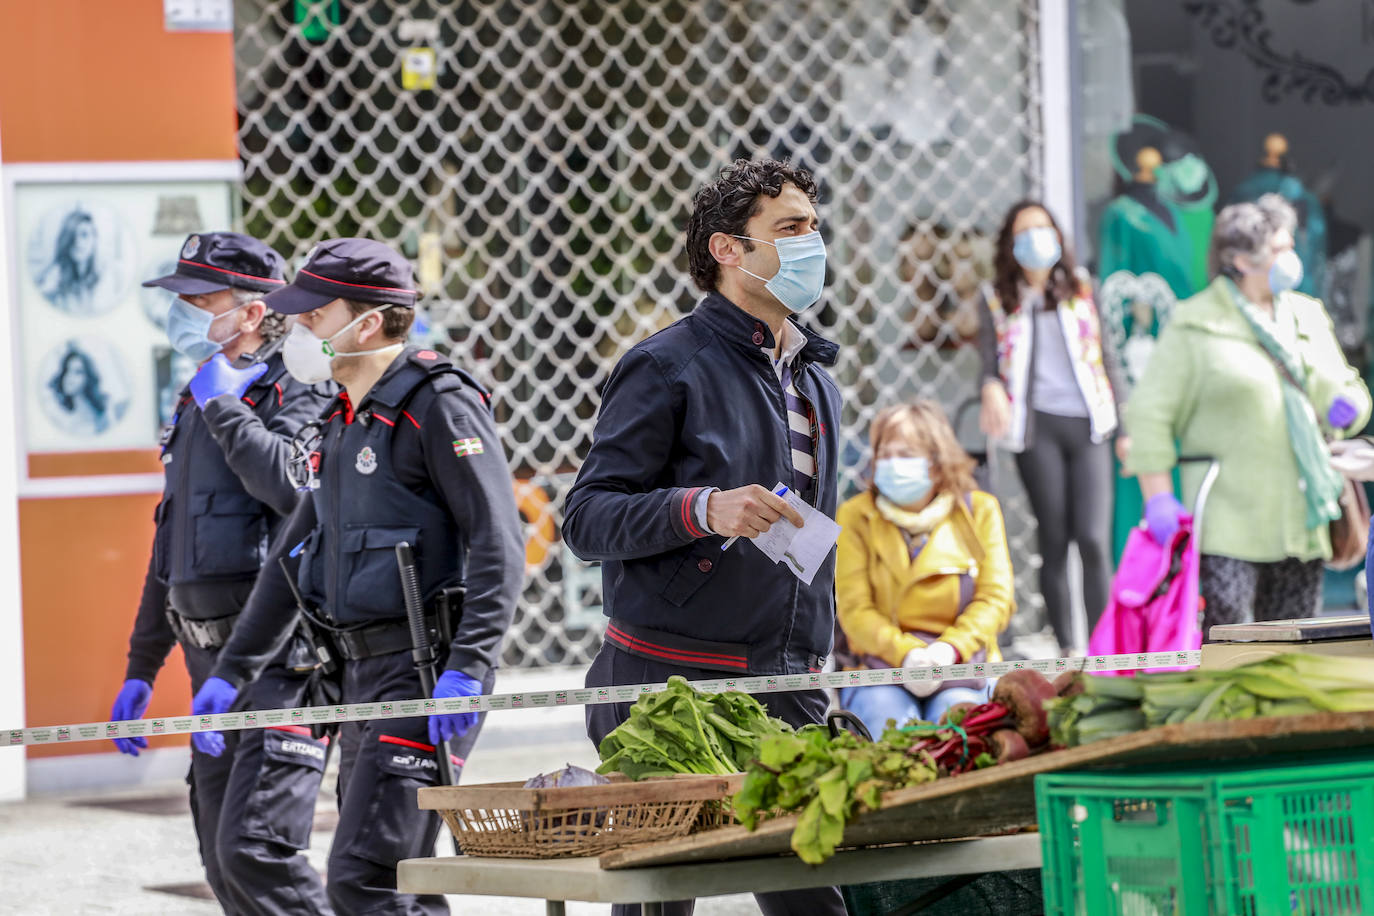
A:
<point x="80" y="256"/>
<point x="83" y="387"/>
<point x="93" y="351"/>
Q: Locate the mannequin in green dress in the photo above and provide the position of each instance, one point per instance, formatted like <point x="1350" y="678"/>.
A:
<point x="1273" y="177"/>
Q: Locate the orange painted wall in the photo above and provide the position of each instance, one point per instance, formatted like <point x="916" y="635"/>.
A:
<point x="83" y="562"/>
<point x="100" y="81"/>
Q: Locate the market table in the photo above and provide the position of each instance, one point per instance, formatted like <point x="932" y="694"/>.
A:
<point x="583" y="879"/>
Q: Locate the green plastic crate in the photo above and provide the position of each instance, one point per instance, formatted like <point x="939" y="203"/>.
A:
<point x="1267" y="840"/>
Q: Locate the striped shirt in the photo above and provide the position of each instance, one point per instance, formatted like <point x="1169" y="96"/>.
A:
<point x="798" y="424"/>
<point x="798" y="411"/>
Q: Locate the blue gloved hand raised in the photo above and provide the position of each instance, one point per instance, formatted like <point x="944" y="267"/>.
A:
<point x="443" y="727"/>
<point x="1342" y="413"/>
<point x="1161" y="516"/>
<point x="131" y="703"/>
<point x="215" y="696"/>
<point x="218" y="377"/>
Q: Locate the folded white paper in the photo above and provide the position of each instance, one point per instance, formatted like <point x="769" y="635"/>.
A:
<point x="802" y="550"/>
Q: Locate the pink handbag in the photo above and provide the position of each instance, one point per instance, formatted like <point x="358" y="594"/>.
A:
<point x="1154" y="602"/>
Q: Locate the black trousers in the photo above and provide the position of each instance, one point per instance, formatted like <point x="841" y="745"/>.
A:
<point x="1068" y="479"/>
<point x="254" y="805"/>
<point x="797" y="708"/>
<point x="382" y="765"/>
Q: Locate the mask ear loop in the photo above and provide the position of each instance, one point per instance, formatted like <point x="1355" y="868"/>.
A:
<point x="750" y="272"/>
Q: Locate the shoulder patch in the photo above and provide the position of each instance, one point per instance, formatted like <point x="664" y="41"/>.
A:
<point x="429" y="360"/>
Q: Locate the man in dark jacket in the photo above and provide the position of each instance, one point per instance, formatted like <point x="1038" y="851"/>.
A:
<point x="697" y="424"/>
<point x="225" y="454"/>
<point x="408" y="451"/>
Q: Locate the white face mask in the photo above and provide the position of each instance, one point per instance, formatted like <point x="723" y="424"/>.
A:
<point x="309" y="359"/>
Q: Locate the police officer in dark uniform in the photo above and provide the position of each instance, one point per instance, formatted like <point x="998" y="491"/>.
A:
<point x="408" y="451"/>
<point x="224" y="456"/>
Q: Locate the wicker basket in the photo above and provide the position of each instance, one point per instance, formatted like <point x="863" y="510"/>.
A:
<point x="508" y="821"/>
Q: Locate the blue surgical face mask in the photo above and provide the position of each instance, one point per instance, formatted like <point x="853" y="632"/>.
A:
<point x="904" y="481"/>
<point x="1286" y="272"/>
<point x="1037" y="249"/>
<point x="800" y="279"/>
<point x="188" y="329"/>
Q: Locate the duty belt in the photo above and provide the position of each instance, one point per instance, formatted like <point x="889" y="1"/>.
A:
<point x="203" y="634"/>
<point x="378" y="639"/>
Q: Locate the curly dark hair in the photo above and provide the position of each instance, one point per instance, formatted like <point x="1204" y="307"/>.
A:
<point x="1063" y="284"/>
<point x="727" y="203"/>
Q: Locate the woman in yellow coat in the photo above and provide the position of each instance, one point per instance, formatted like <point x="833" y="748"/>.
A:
<point x="923" y="577"/>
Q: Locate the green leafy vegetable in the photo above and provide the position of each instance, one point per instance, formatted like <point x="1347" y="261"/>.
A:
<point x="682" y="731"/>
<point x="828" y="780"/>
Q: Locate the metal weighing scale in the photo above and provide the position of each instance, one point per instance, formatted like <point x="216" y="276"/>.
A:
<point x="1238" y="643"/>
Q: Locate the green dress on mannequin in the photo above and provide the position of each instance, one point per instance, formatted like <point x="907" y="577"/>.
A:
<point x="1273" y="177"/>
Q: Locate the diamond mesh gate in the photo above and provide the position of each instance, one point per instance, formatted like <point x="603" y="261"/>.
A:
<point x="537" y="160"/>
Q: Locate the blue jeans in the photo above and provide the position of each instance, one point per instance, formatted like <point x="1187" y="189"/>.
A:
<point x="875" y="705"/>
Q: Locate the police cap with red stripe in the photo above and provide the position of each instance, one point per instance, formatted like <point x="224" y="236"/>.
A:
<point x="357" y="269"/>
<point x="212" y="261"/>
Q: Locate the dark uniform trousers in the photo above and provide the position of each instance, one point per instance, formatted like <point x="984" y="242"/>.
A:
<point x="797" y="708"/>
<point x="382" y="766"/>
<point x="254" y="805"/>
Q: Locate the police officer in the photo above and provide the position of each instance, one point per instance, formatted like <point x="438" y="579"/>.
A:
<point x="224" y="456"/>
<point x="408" y="451"/>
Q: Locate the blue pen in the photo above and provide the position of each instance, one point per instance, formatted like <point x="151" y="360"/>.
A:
<point x="780" y="491"/>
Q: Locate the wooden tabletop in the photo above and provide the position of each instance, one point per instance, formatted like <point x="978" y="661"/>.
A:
<point x="1002" y="798"/>
<point x="584" y="879"/>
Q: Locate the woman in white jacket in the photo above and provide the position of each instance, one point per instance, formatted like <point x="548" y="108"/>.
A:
<point x="1050" y="395"/>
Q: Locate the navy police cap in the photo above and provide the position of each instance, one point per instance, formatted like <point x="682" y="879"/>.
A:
<point x="211" y="261"/>
<point x="357" y="269"/>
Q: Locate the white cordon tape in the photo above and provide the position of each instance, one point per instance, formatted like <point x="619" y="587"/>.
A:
<point x="584" y="696"/>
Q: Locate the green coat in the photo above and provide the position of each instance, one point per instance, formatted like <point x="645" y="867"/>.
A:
<point x="1210" y="389"/>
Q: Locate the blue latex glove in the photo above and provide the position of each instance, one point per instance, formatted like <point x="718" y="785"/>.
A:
<point x="1161" y="516"/>
<point x="131" y="703"/>
<point x="1342" y="413"/>
<point x="453" y="725"/>
<point x="217" y="377"/>
<point x="214" y="697"/>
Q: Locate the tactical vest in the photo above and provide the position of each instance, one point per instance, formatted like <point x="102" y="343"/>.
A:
<point x="348" y="562"/>
<point x="209" y="527"/>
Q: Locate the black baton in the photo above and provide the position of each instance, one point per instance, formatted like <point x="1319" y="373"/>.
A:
<point x="421" y="649"/>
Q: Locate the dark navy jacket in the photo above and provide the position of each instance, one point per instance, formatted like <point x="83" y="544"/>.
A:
<point x="225" y="491"/>
<point x="419" y="460"/>
<point x="699" y="404"/>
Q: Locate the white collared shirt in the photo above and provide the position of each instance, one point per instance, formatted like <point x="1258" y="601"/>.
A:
<point x="793" y="342"/>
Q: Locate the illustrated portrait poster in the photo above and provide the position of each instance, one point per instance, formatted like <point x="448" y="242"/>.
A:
<point x="95" y="367"/>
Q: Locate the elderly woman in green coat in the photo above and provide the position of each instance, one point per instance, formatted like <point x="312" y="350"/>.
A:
<point x="1249" y="372"/>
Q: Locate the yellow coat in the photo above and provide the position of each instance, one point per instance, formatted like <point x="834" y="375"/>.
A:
<point x="882" y="596"/>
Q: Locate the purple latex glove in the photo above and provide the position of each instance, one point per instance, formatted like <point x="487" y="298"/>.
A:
<point x="215" y="696"/>
<point x="444" y="726"/>
<point x="131" y="703"/>
<point x="218" y="377"/>
<point x="1342" y="413"/>
<point x="1161" y="516"/>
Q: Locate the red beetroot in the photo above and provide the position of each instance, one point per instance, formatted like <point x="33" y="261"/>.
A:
<point x="1008" y="745"/>
<point x="1068" y="684"/>
<point x="1023" y="692"/>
